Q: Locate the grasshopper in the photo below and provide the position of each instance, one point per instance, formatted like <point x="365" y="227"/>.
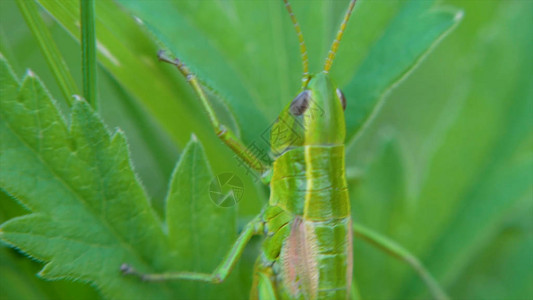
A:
<point x="307" y="226"/>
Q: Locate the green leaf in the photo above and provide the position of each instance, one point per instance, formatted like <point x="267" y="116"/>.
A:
<point x="200" y="231"/>
<point x="19" y="281"/>
<point x="223" y="43"/>
<point x="228" y="43"/>
<point x="379" y="200"/>
<point x="17" y="273"/>
<point x="88" y="52"/>
<point x="383" y="181"/>
<point x="129" y="55"/>
<point x="126" y="51"/>
<point x="509" y="252"/>
<point x="475" y="203"/>
<point x="454" y="185"/>
<point x="53" y="56"/>
<point x="462" y="121"/>
<point x="89" y="212"/>
<point x="390" y="48"/>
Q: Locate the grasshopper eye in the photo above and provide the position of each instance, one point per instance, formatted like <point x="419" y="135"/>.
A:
<point x="342" y="98"/>
<point x="300" y="104"/>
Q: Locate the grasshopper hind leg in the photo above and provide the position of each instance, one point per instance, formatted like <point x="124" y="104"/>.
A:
<point x="254" y="227"/>
<point x="395" y="250"/>
<point x="263" y="286"/>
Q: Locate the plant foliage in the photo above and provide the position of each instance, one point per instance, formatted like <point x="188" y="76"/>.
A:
<point x="444" y="168"/>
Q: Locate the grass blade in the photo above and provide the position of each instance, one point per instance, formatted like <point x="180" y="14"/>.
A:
<point x="88" y="49"/>
<point x="52" y="54"/>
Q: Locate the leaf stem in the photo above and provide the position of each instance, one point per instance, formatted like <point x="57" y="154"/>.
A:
<point x="50" y="51"/>
<point x="88" y="49"/>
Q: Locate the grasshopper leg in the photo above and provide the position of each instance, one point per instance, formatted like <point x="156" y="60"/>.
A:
<point x="263" y="287"/>
<point x="225" y="134"/>
<point x="266" y="289"/>
<point x="254" y="227"/>
<point x="397" y="251"/>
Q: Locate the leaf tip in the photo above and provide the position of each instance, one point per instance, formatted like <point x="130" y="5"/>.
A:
<point x="80" y="103"/>
<point x="138" y="20"/>
<point x="30" y="73"/>
<point x="194" y="138"/>
<point x="459" y="15"/>
<point x="77" y="97"/>
<point x="119" y="131"/>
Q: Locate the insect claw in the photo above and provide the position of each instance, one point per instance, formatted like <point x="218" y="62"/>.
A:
<point x="127" y="269"/>
<point x="217" y="278"/>
<point x="162" y="56"/>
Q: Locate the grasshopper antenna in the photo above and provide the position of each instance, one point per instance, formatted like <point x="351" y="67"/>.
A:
<point x="335" y="45"/>
<point x="303" y="49"/>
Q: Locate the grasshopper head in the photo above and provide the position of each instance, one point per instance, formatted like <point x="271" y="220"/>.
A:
<point x="321" y="111"/>
<point x="314" y="117"/>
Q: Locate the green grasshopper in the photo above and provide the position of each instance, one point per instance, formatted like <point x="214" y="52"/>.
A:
<point x="307" y="249"/>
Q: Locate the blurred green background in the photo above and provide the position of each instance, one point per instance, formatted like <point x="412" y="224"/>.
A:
<point x="445" y="167"/>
